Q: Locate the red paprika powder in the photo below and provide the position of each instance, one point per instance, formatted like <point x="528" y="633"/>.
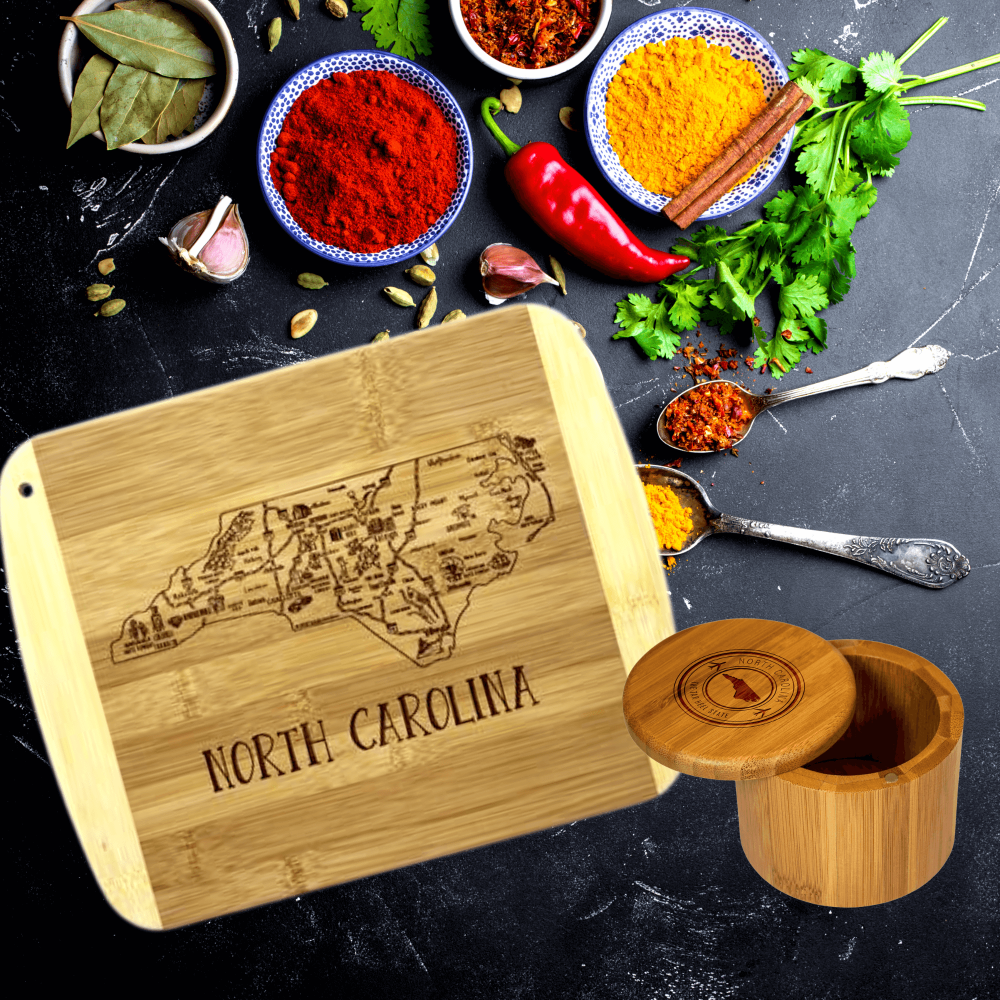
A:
<point x="365" y="161"/>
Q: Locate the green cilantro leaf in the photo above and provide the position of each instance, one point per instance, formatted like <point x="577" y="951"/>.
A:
<point x="827" y="72"/>
<point x="400" y="25"/>
<point x="805" y="296"/>
<point x="723" y="320"/>
<point x="685" y="313"/>
<point x="647" y="323"/>
<point x="781" y="354"/>
<point x="779" y="209"/>
<point x="881" y="129"/>
<point x="739" y="297"/>
<point x="880" y="71"/>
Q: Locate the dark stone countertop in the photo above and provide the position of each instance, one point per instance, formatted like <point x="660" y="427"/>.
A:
<point x="656" y="900"/>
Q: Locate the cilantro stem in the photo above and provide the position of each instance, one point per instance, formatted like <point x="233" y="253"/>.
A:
<point x="933" y="29"/>
<point x="946" y="74"/>
<point x="960" y="102"/>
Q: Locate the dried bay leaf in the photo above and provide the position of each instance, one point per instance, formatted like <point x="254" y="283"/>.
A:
<point x="178" y="115"/>
<point x="149" y="43"/>
<point x="87" y="97"/>
<point x="159" y="8"/>
<point x="133" y="100"/>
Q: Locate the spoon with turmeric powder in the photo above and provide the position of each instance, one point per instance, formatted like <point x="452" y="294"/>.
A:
<point x="683" y="515"/>
<point x="718" y="414"/>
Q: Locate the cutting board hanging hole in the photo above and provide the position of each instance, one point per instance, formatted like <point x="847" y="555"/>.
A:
<point x="26" y="489"/>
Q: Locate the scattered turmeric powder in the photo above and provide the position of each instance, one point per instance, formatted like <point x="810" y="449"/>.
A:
<point x="675" y="105"/>
<point x="672" y="521"/>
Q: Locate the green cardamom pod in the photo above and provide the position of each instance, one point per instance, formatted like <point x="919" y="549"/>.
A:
<point x="100" y="291"/>
<point x="106" y="266"/>
<point x="273" y="34"/>
<point x="112" y="307"/>
<point x="303" y="322"/>
<point x="293" y="6"/>
<point x="428" y="307"/>
<point x="431" y="255"/>
<point x="453" y="315"/>
<point x="309" y="280"/>
<point x="421" y="274"/>
<point x="381" y="335"/>
<point x="560" y="274"/>
<point x="398" y="296"/>
<point x="337" y="7"/>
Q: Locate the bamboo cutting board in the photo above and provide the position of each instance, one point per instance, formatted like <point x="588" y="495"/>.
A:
<point x="336" y="618"/>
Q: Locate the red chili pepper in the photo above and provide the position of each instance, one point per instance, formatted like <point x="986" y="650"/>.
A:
<point x="569" y="210"/>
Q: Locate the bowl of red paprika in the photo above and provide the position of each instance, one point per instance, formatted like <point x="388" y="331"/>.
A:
<point x="364" y="158"/>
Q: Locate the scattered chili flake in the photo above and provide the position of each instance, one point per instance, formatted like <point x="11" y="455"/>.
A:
<point x="736" y="453"/>
<point x="530" y="34"/>
<point x="809" y="371"/>
<point x="749" y="361"/>
<point x="767" y="392"/>
<point x="675" y="464"/>
<point x="709" y="418"/>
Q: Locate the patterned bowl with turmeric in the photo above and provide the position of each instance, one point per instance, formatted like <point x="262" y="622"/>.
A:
<point x="667" y="96"/>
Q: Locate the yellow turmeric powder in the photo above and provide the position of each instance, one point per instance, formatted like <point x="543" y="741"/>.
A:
<point x="675" y="105"/>
<point x="672" y="521"/>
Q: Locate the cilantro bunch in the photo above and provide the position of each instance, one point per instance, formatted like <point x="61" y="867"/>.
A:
<point x="857" y="125"/>
<point x="399" y="25"/>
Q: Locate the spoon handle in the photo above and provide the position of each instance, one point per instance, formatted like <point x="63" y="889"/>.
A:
<point x="927" y="561"/>
<point x="910" y="364"/>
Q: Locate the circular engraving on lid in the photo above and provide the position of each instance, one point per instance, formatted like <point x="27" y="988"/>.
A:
<point x="739" y="687"/>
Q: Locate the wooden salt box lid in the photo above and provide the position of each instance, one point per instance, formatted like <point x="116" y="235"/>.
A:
<point x="336" y="618"/>
<point x="739" y="699"/>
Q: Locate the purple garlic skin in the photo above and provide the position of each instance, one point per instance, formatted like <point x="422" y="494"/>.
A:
<point x="508" y="271"/>
<point x="212" y="244"/>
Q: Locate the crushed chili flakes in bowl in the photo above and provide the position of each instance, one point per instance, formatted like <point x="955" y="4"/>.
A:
<point x="530" y="34"/>
<point x="710" y="417"/>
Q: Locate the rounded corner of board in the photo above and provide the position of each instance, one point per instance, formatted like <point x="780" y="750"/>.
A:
<point x="133" y="902"/>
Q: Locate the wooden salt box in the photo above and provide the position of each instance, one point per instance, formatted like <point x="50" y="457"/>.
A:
<point x="845" y="754"/>
<point x="336" y="618"/>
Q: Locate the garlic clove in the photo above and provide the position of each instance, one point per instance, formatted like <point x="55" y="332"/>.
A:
<point x="212" y="244"/>
<point x="508" y="271"/>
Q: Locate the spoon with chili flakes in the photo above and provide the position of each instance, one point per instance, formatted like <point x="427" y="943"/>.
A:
<point x="927" y="561"/>
<point x="718" y="414"/>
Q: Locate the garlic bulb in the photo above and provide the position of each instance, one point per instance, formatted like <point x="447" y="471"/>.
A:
<point x="507" y="272"/>
<point x="212" y="244"/>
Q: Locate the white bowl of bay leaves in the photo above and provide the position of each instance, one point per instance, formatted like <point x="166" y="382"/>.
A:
<point x="146" y="75"/>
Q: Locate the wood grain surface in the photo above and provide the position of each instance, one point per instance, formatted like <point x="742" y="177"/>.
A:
<point x="873" y="818"/>
<point x="738" y="699"/>
<point x="341" y="617"/>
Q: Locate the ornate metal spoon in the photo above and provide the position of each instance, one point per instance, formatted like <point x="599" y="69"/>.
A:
<point x="913" y="363"/>
<point x="927" y="561"/>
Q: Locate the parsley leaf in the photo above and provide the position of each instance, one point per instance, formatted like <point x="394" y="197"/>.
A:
<point x="399" y="25"/>
<point x="688" y="300"/>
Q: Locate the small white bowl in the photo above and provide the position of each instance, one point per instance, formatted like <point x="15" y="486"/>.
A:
<point x="547" y="72"/>
<point x="71" y="63"/>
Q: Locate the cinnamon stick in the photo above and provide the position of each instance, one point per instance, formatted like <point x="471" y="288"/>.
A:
<point x="741" y="156"/>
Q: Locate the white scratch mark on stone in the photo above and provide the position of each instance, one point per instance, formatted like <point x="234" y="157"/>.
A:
<point x="834" y="417"/>
<point x="653" y="892"/>
<point x="850" y="948"/>
<point x="634" y="398"/>
<point x="958" y="421"/>
<point x="861" y="6"/>
<point x="965" y="292"/>
<point x="142" y="330"/>
<point x="971" y="90"/>
<point x="415" y="952"/>
<point x="132" y="227"/>
<point x="600" y="909"/>
<point x="979" y="239"/>
<point x="777" y="421"/>
<point x="847" y="33"/>
<point x="14" y="422"/>
<point x="129" y="181"/>
<point x="31" y="749"/>
<point x="687" y="603"/>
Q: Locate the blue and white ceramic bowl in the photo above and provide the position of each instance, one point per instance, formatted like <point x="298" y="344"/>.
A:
<point x="346" y="62"/>
<point x="683" y="22"/>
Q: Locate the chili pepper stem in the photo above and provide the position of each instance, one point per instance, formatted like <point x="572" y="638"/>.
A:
<point x="489" y="107"/>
